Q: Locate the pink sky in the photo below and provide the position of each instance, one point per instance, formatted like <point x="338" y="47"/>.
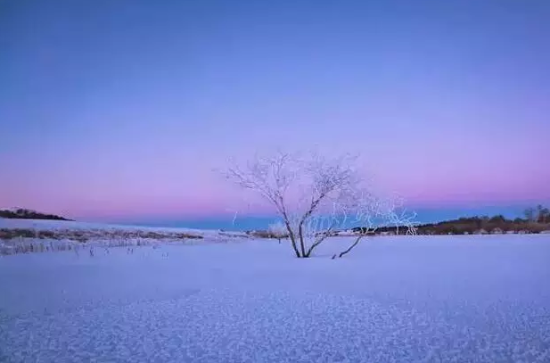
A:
<point x="112" y="111"/>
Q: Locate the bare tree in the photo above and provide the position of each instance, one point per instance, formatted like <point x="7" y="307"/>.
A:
<point x="312" y="195"/>
<point x="541" y="214"/>
<point x="545" y="215"/>
<point x="530" y="214"/>
<point x="278" y="230"/>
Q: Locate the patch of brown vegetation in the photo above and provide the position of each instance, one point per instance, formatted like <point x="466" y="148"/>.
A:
<point x="85" y="235"/>
<point x="17" y="233"/>
<point x="261" y="234"/>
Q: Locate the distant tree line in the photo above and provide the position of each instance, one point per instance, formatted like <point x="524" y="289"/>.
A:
<point x="29" y="214"/>
<point x="536" y="220"/>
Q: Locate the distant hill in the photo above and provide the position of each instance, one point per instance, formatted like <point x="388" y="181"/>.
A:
<point x="21" y="213"/>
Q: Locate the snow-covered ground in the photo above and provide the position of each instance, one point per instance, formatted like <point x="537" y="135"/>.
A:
<point x="393" y="299"/>
<point x="27" y="235"/>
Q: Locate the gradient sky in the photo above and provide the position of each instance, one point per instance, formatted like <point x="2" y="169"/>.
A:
<point x="121" y="109"/>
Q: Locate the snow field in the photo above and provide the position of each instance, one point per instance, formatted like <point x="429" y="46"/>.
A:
<point x="394" y="299"/>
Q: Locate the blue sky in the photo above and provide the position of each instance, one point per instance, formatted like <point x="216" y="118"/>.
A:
<point x="119" y="110"/>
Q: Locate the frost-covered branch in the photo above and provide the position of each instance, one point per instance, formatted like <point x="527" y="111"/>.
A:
<point x="371" y="211"/>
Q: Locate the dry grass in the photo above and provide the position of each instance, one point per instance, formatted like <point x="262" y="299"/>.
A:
<point x="21" y="245"/>
<point x="85" y="235"/>
<point x="24" y="245"/>
<point x="261" y="234"/>
<point x="233" y="235"/>
<point x="17" y="240"/>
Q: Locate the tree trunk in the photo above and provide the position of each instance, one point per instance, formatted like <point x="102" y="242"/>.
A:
<point x="314" y="245"/>
<point x="348" y="250"/>
<point x="302" y="244"/>
<point x="292" y="237"/>
<point x="294" y="247"/>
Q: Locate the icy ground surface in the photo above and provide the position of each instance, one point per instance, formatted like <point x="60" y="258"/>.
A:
<point x="421" y="299"/>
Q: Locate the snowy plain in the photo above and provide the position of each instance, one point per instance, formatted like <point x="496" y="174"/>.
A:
<point x="394" y="299"/>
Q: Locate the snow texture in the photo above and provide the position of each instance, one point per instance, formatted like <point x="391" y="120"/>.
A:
<point x="394" y="299"/>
